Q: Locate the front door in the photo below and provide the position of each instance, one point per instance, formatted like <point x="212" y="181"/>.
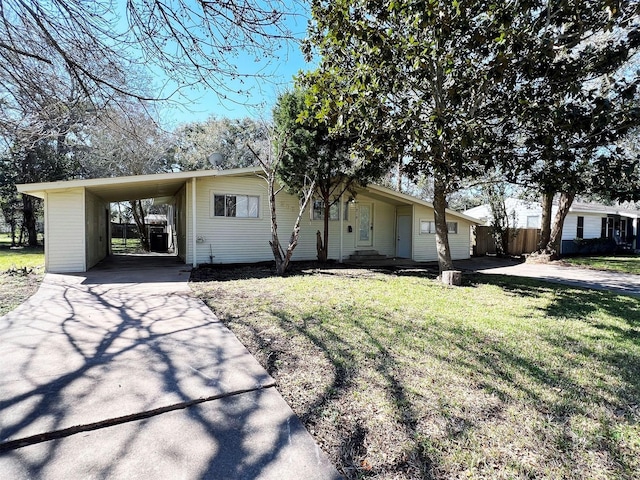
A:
<point x="365" y="225"/>
<point x="404" y="237"/>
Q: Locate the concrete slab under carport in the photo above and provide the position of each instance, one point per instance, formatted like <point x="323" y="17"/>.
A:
<point x="123" y="373"/>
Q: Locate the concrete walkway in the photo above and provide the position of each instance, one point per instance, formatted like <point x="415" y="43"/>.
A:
<point x="122" y="373"/>
<point x="622" y="283"/>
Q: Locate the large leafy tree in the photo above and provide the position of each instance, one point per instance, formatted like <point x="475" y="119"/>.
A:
<point x="36" y="162"/>
<point x="416" y="80"/>
<point x="459" y="85"/>
<point x="312" y="151"/>
<point x="574" y="99"/>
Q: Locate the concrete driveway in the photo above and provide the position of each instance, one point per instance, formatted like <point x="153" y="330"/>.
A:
<point x="627" y="284"/>
<point x="122" y="373"/>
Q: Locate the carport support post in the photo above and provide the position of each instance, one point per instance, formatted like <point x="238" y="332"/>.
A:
<point x="193" y="222"/>
<point x="341" y="225"/>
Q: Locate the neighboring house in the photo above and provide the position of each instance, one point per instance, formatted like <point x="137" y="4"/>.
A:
<point x="584" y="221"/>
<point x="522" y="213"/>
<point x="223" y="217"/>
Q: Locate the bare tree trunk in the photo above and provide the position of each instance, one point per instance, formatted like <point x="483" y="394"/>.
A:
<point x="500" y="218"/>
<point x="138" y="217"/>
<point x="274" y="243"/>
<point x="442" y="232"/>
<point x="564" y="204"/>
<point x="29" y="222"/>
<point x="322" y="245"/>
<point x="282" y="257"/>
<point x="545" y="223"/>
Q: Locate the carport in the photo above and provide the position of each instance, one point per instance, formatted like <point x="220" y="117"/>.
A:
<point x="77" y="216"/>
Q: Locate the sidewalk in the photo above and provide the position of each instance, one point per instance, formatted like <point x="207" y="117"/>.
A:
<point x="118" y="374"/>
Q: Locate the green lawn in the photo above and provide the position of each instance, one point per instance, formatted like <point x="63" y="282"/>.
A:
<point x="21" y="271"/>
<point x="399" y="377"/>
<point x="615" y="264"/>
<point x="130" y="245"/>
<point x="19" y="258"/>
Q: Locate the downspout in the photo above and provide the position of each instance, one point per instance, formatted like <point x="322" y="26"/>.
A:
<point x="193" y="222"/>
<point x="341" y="225"/>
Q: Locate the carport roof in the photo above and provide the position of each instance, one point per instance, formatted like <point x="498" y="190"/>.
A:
<point x="117" y="189"/>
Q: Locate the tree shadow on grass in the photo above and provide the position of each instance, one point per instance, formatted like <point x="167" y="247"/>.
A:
<point x="607" y="335"/>
<point x="347" y="368"/>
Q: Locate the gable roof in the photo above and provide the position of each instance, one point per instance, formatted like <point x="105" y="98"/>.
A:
<point x="483" y="211"/>
<point x="161" y="185"/>
<point x="403" y="198"/>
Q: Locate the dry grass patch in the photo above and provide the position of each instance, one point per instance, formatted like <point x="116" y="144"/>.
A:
<point x="21" y="271"/>
<point x="16" y="286"/>
<point x="399" y="377"/>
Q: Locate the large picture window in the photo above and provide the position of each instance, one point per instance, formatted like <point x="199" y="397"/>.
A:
<point x="242" y="206"/>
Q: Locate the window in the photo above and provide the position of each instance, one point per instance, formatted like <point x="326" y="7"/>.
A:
<point x="318" y="210"/>
<point x="580" y="229"/>
<point x="242" y="206"/>
<point x="429" y="226"/>
<point x="623" y="230"/>
<point x="533" y="221"/>
<point x="607" y="228"/>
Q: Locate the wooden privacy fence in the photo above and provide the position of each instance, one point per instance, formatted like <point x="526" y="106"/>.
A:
<point x="521" y="241"/>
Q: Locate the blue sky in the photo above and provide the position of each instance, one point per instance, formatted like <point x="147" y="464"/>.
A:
<point x="201" y="103"/>
<point x="204" y="103"/>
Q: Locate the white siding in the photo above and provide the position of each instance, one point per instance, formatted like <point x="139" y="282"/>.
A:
<point x="384" y="228"/>
<point x="238" y="240"/>
<point x="230" y="239"/>
<point x="96" y="232"/>
<point x="592" y="225"/>
<point x="424" y="245"/>
<point x="65" y="231"/>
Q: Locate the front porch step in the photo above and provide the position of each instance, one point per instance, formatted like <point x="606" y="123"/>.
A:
<point x="366" y="256"/>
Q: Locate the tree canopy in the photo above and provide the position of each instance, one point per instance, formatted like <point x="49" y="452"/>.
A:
<point x="312" y="150"/>
<point x="415" y="80"/>
<point x="457" y="87"/>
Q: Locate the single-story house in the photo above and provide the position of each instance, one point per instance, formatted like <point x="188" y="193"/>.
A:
<point x="584" y="221"/>
<point x="222" y="216"/>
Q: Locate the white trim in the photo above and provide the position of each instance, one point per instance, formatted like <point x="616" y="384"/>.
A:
<point x="194" y="219"/>
<point x="33" y="188"/>
<point x="341" y="228"/>
<point x="84" y="229"/>
<point x="46" y="232"/>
